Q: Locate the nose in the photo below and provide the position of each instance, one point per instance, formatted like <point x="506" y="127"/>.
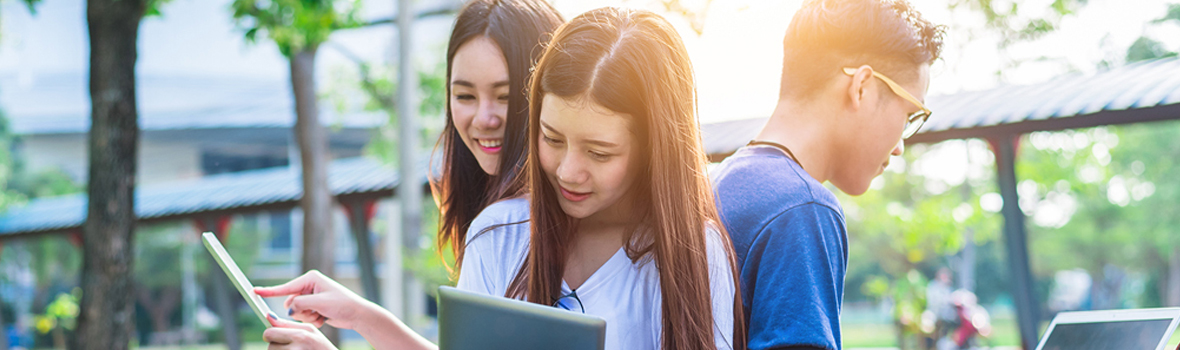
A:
<point x="899" y="149"/>
<point x="571" y="169"/>
<point x="487" y="116"/>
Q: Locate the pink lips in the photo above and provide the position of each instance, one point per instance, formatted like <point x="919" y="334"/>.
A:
<point x="491" y="150"/>
<point x="573" y="196"/>
<point x="486" y="149"/>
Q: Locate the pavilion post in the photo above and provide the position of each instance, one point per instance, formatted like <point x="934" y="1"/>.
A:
<point x="360" y="213"/>
<point x="1016" y="241"/>
<point x="223" y="294"/>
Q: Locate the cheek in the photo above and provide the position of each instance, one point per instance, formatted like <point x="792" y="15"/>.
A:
<point x="550" y="158"/>
<point x="618" y="175"/>
<point x="461" y="115"/>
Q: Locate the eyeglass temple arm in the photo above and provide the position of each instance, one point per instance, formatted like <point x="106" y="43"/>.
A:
<point x="897" y="89"/>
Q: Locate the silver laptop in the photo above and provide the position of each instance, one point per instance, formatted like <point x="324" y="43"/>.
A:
<point x="1137" y="329"/>
<point x="469" y="320"/>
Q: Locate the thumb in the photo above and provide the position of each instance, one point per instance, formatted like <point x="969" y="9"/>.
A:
<point x="277" y="322"/>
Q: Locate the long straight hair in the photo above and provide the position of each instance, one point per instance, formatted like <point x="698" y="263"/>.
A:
<point x="463" y="189"/>
<point x="633" y="63"/>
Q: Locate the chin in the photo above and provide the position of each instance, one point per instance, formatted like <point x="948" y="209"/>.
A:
<point x="855" y="188"/>
<point x="489" y="166"/>
<point x="573" y="211"/>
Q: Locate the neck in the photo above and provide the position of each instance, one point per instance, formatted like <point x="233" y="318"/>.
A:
<point x="622" y="213"/>
<point x="805" y="130"/>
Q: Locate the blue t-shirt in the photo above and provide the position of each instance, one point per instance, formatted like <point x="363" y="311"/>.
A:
<point x="792" y="248"/>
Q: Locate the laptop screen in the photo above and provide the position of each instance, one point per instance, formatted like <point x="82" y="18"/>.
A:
<point x="1123" y="335"/>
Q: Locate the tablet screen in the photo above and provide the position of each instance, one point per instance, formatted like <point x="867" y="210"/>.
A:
<point x="1118" y="335"/>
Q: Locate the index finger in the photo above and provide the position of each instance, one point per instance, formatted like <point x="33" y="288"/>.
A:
<point x="304" y="284"/>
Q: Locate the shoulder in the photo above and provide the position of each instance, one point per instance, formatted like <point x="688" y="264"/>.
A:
<point x="501" y="230"/>
<point x="715" y="243"/>
<point x="497" y="242"/>
<point x="506" y="215"/>
<point x="762" y="181"/>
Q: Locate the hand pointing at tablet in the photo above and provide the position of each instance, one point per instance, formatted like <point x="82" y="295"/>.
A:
<point x="317" y="299"/>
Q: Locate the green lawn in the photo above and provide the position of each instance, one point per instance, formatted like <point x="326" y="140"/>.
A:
<point x="1004" y="333"/>
<point x="878" y="335"/>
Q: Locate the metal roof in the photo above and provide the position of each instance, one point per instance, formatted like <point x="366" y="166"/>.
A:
<point x="274" y="188"/>
<point x="59" y="103"/>
<point x="1140" y="92"/>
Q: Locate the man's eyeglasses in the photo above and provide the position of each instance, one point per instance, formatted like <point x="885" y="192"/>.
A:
<point x="570" y="302"/>
<point x="914" y="121"/>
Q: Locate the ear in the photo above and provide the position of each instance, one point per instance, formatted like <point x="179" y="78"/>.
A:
<point x="860" y="81"/>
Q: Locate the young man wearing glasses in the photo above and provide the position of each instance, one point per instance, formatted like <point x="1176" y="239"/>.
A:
<point x="854" y="79"/>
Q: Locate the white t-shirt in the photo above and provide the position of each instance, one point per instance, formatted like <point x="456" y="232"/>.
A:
<point x="625" y="294"/>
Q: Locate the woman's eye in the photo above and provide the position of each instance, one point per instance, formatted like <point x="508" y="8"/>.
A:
<point x="504" y="98"/>
<point x="599" y="156"/>
<point x="551" y="141"/>
<point x="464" y="97"/>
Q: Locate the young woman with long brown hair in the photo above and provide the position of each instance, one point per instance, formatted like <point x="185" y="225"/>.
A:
<point x="620" y="222"/>
<point x="489" y="57"/>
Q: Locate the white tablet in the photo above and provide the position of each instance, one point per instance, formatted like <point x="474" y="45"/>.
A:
<point x="236" y="277"/>
<point x="1134" y="329"/>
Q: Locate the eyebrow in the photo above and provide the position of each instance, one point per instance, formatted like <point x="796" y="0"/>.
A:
<point x="600" y="143"/>
<point x="497" y="84"/>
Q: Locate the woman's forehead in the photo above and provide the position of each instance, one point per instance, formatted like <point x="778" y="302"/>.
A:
<point x="582" y="118"/>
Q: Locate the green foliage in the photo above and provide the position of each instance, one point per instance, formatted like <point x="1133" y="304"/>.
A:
<point x="1015" y="22"/>
<point x="427" y="262"/>
<point x="1119" y="188"/>
<point x="1146" y="48"/>
<point x="32" y="5"/>
<point x="158" y="252"/>
<point x="62" y="312"/>
<point x="431" y="94"/>
<point x="1173" y="15"/>
<point x="295" y="25"/>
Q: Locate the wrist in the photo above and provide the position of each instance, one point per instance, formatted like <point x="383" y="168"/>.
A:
<point x="373" y="318"/>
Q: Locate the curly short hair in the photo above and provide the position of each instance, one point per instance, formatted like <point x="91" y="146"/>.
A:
<point x="826" y="35"/>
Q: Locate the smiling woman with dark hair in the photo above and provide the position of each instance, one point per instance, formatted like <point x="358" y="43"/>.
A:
<point x="489" y="57"/>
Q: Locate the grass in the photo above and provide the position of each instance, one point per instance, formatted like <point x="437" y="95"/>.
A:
<point x="881" y="335"/>
<point x="1004" y="333"/>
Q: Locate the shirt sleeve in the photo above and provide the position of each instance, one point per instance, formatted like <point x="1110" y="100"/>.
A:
<point x="477" y="272"/>
<point x="722" y="289"/>
<point x="793" y="279"/>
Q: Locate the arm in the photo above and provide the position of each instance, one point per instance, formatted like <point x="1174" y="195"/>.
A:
<point x="316" y="299"/>
<point x="793" y="280"/>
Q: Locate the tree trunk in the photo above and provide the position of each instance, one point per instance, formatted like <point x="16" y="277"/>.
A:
<point x="1172" y="298"/>
<point x="107" y="315"/>
<point x="318" y="243"/>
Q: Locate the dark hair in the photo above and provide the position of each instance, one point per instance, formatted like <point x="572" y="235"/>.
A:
<point x="633" y="63"/>
<point x="518" y="27"/>
<point x="827" y="35"/>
